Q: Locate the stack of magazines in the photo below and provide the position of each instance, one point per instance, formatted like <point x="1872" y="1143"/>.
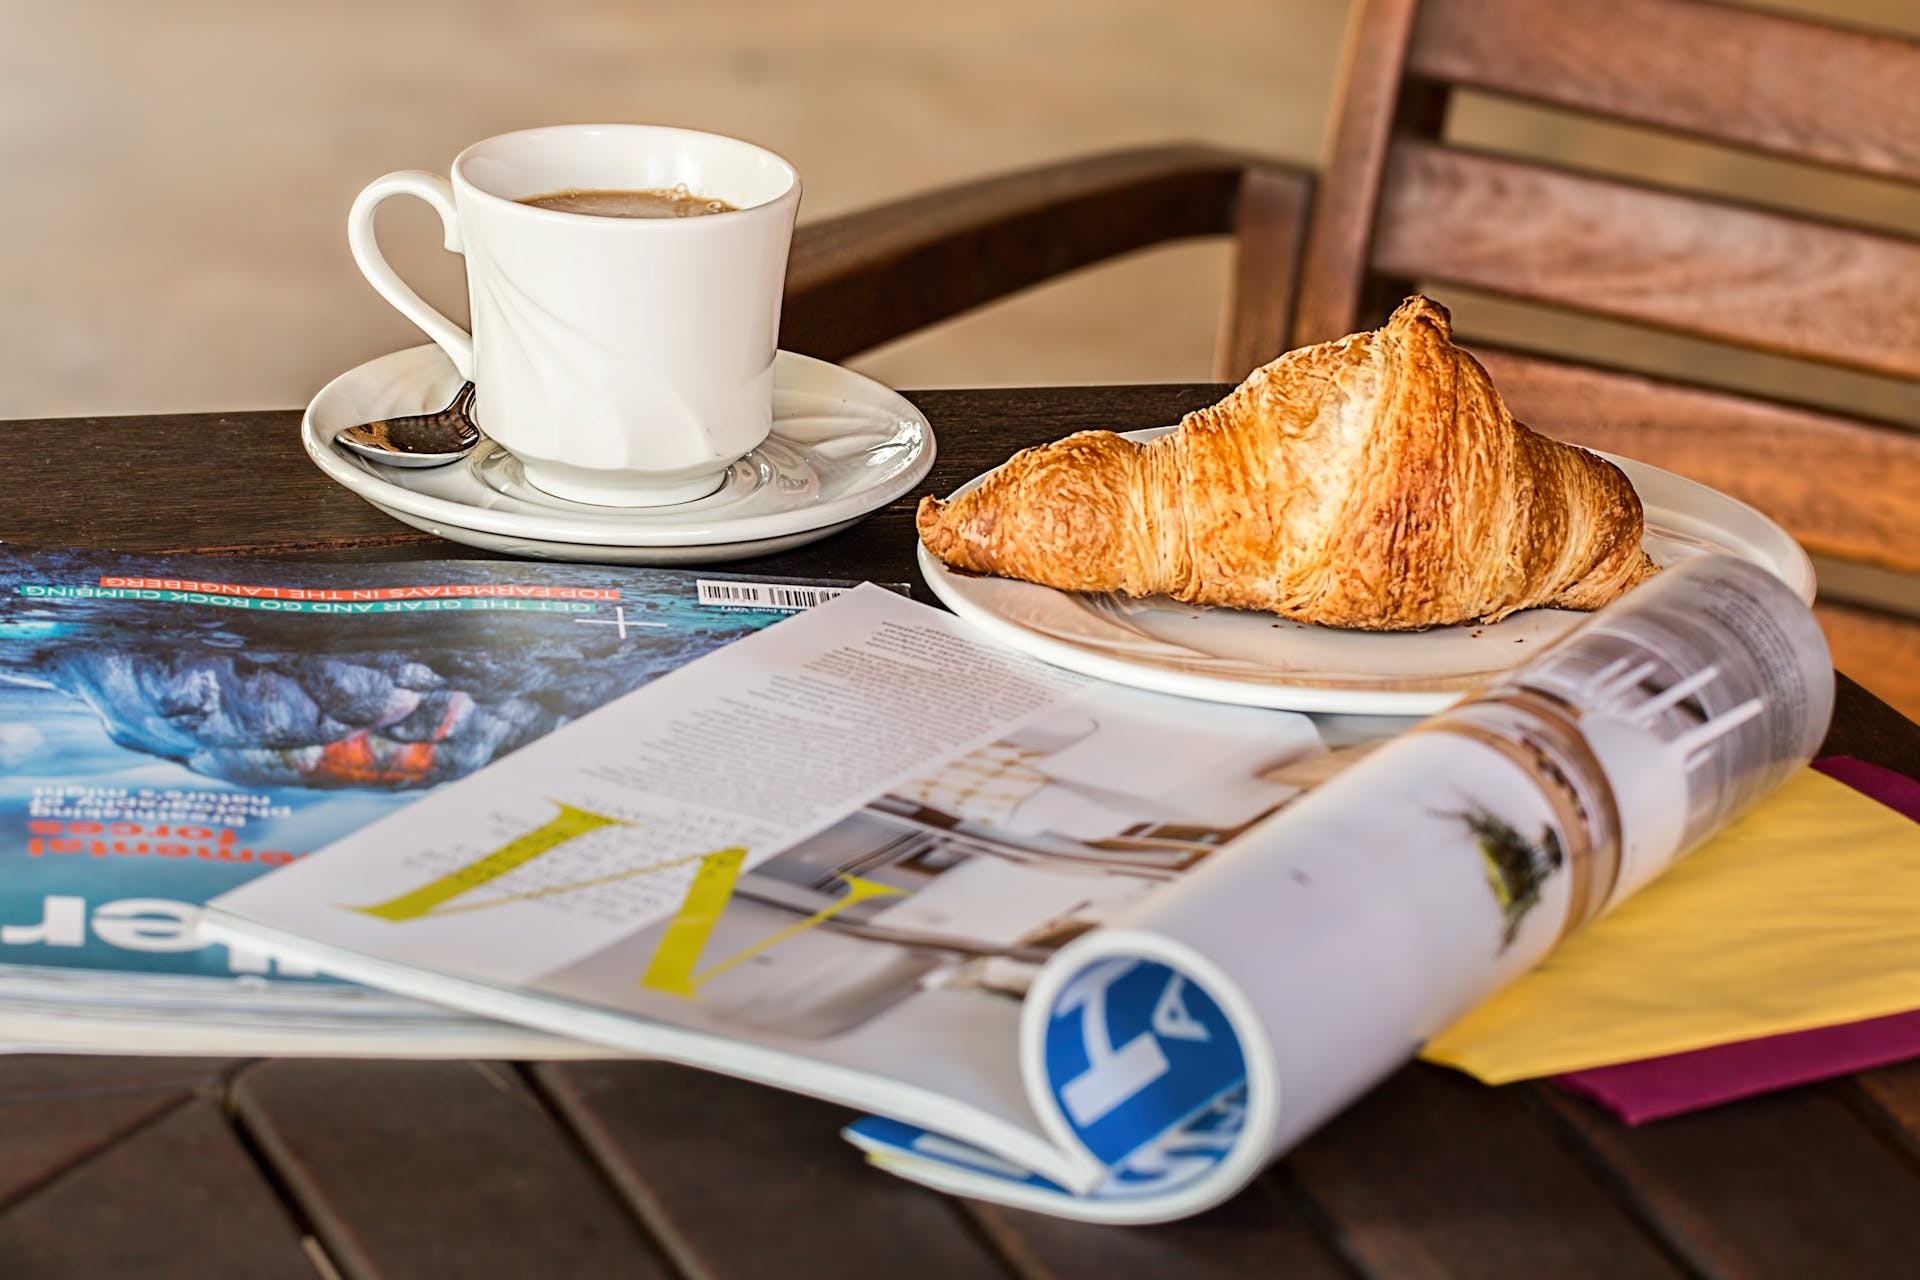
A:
<point x="171" y="729"/>
<point x="1078" y="947"/>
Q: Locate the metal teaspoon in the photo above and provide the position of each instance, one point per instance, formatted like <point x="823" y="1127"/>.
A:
<point x="418" y="440"/>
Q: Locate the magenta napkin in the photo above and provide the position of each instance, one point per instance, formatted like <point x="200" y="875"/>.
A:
<point x="1681" y="1082"/>
<point x="1895" y="790"/>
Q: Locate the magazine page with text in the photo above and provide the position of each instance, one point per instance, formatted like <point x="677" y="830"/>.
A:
<point x="832" y="855"/>
<point x="1083" y="948"/>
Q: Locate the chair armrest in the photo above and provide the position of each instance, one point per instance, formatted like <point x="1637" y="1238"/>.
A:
<point x="859" y="279"/>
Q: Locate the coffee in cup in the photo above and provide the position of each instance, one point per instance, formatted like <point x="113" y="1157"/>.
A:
<point x="623" y="340"/>
<point x="653" y="203"/>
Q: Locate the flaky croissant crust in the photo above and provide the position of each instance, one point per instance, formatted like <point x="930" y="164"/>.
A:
<point x="1372" y="482"/>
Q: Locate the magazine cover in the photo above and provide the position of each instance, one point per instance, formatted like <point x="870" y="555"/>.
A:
<point x="171" y="728"/>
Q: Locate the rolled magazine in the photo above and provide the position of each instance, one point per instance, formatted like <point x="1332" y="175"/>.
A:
<point x="1187" y="1046"/>
<point x="1045" y="1000"/>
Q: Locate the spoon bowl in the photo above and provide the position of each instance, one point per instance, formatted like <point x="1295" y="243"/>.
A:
<point x="418" y="440"/>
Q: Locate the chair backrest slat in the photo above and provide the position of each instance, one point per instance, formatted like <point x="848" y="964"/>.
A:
<point x="1782" y="85"/>
<point x="1879" y="646"/>
<point x="1842" y="487"/>
<point x="1771" y="281"/>
<point x="1333" y="266"/>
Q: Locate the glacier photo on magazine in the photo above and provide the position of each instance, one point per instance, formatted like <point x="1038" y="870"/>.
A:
<point x="172" y="727"/>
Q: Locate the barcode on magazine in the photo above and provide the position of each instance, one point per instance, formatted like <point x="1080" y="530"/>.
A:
<point x="764" y="595"/>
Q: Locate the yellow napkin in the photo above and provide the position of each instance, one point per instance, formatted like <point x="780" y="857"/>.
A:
<point x="1804" y="913"/>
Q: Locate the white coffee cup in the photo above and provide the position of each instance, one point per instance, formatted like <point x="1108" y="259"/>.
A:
<point x="623" y="361"/>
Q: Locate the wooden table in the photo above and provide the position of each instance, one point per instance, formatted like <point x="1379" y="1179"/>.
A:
<point x="114" y="1167"/>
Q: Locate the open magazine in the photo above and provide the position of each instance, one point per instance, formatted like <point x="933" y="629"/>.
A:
<point x="1077" y="947"/>
<point x="172" y="727"/>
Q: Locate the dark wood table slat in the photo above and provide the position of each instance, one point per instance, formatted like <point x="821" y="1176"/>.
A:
<point x="56" y="1113"/>
<point x="1791" y="1184"/>
<point x="1867" y="728"/>
<point x="1432" y="1174"/>
<point x="434" y="1169"/>
<point x="1255" y="1234"/>
<point x="743" y="1182"/>
<point x="1890" y="1099"/>
<point x="176" y="481"/>
<point x="31" y="1079"/>
<point x="179" y="1197"/>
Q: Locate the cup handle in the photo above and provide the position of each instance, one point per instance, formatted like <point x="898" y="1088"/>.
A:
<point x="438" y="192"/>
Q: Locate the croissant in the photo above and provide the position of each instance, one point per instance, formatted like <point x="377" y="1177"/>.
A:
<point x="1373" y="482"/>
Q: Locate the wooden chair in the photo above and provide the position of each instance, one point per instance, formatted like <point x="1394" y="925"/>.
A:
<point x="1399" y="206"/>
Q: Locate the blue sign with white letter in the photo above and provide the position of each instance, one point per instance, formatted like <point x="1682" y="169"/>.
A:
<point x="1139" y="1055"/>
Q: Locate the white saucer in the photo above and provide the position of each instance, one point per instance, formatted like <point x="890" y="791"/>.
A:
<point x="842" y="446"/>
<point x="1258" y="659"/>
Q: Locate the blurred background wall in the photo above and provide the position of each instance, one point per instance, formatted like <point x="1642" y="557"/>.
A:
<point x="178" y="174"/>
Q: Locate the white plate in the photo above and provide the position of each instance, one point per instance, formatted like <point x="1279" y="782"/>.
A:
<point x="842" y="445"/>
<point x="1258" y="659"/>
